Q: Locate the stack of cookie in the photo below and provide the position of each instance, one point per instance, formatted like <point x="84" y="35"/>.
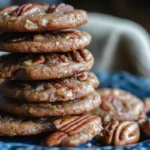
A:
<point x="47" y="72"/>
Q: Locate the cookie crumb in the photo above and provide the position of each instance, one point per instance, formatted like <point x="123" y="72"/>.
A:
<point x="89" y="145"/>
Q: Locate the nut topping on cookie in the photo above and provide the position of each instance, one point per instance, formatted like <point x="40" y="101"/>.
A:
<point x="120" y="134"/>
<point x="147" y="105"/>
<point x="74" y="131"/>
<point x="8" y="10"/>
<point x="29" y="8"/>
<point x="61" y="8"/>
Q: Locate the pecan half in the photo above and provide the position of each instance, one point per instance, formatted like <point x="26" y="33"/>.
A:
<point x="74" y="131"/>
<point x="61" y="8"/>
<point x="8" y="10"/>
<point x="29" y="8"/>
<point x="120" y="134"/>
<point x="54" y="139"/>
<point x="38" y="60"/>
<point x="111" y="102"/>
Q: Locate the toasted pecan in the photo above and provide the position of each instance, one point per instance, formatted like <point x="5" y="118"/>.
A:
<point x="73" y="131"/>
<point x="120" y="133"/>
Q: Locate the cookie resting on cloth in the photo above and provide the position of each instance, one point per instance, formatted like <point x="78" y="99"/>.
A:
<point x="118" y="105"/>
<point x="14" y="126"/>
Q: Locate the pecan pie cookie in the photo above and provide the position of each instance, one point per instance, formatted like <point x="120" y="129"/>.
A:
<point x="73" y="131"/>
<point x="45" y="66"/>
<point x="71" y="88"/>
<point x="118" y="105"/>
<point x="73" y="107"/>
<point x="40" y="17"/>
<point x="13" y="126"/>
<point x="54" y="41"/>
<point x="146" y="105"/>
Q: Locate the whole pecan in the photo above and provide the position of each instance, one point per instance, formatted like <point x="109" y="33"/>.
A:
<point x="120" y="134"/>
<point x="61" y="8"/>
<point x="29" y="8"/>
<point x="74" y="131"/>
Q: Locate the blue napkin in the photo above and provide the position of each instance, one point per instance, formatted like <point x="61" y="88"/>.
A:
<point x="136" y="85"/>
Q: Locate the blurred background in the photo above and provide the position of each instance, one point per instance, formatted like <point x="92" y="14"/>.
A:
<point x="120" y="31"/>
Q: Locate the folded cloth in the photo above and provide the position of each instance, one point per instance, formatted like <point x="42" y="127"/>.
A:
<point x="118" y="44"/>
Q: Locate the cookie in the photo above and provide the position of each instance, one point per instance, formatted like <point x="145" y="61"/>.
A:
<point x="118" y="105"/>
<point x="54" y="41"/>
<point x="145" y="127"/>
<point x="40" y="17"/>
<point x="73" y="107"/>
<point x="146" y="105"/>
<point x="13" y="126"/>
<point x="45" y="66"/>
<point x="75" y="87"/>
<point x="74" y="131"/>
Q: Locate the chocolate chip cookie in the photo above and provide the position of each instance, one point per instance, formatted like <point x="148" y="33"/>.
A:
<point x="71" y="88"/>
<point x="40" y="17"/>
<point x="13" y="126"/>
<point x="73" y="131"/>
<point x="45" y="66"/>
<point x="73" y="107"/>
<point x="54" y="41"/>
<point x="118" y="105"/>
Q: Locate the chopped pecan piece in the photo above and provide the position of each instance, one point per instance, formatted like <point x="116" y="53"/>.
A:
<point x="38" y="60"/>
<point x="74" y="131"/>
<point x="61" y="8"/>
<point x="120" y="134"/>
<point x="8" y="10"/>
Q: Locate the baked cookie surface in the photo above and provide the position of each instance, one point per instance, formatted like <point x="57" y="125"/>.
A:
<point x="45" y="66"/>
<point x="51" y="91"/>
<point x="13" y="126"/>
<point x="54" y="41"/>
<point x="40" y="17"/>
<point x="73" y="107"/>
<point x="118" y="105"/>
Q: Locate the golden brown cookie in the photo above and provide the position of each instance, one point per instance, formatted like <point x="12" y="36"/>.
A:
<point x="145" y="126"/>
<point x="118" y="105"/>
<point x="74" y="131"/>
<point x="73" y="107"/>
<point x="40" y="17"/>
<point x="54" y="41"/>
<point x="14" y="126"/>
<point x="71" y="88"/>
<point x="147" y="105"/>
<point x="45" y="66"/>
